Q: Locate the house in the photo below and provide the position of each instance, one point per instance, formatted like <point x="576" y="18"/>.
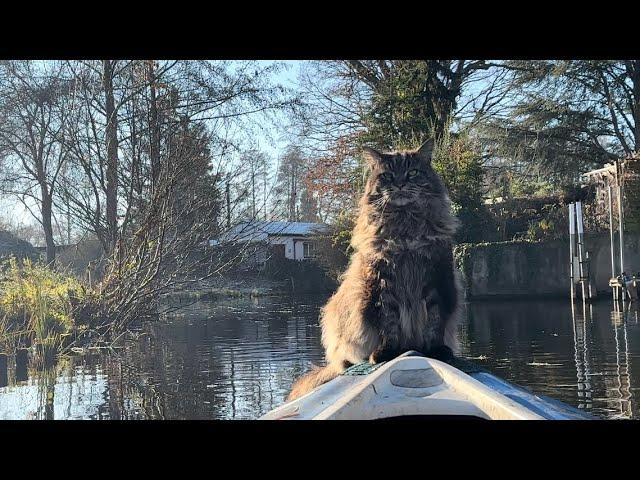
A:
<point x="292" y="240"/>
<point x="625" y="172"/>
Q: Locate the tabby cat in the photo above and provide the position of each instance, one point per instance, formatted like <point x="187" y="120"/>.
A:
<point x="400" y="291"/>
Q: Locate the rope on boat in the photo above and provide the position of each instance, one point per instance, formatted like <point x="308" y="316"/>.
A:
<point x="364" y="368"/>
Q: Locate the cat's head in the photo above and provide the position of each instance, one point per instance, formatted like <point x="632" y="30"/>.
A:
<point x="402" y="178"/>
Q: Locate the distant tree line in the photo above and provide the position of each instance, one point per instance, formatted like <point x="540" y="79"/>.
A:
<point x="138" y="154"/>
<point x="153" y="158"/>
<point x="505" y="128"/>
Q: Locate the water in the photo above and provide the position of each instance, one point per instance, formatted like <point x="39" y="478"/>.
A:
<point x="237" y="359"/>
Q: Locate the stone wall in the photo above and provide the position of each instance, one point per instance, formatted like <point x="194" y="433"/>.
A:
<point x="518" y="269"/>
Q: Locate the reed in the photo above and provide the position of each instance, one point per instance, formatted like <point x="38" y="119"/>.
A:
<point x="36" y="305"/>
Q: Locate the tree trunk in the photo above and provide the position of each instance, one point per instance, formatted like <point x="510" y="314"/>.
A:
<point x="47" y="225"/>
<point x="253" y="193"/>
<point x="228" y="198"/>
<point x="111" y="134"/>
<point x="635" y="78"/>
<point x="154" y="126"/>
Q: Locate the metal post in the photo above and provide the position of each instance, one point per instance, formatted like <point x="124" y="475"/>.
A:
<point x="613" y="259"/>
<point x="621" y="227"/>
<point x="572" y="236"/>
<point x="589" y="277"/>
<point x="580" y="246"/>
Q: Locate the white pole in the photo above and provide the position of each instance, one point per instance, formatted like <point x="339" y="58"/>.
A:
<point x="621" y="227"/>
<point x="613" y="260"/>
<point x="580" y="245"/>
<point x="613" y="256"/>
<point x="572" y="236"/>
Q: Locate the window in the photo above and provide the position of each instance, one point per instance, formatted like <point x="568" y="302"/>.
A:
<point x="309" y="249"/>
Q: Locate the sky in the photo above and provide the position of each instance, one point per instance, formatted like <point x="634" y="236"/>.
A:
<point x="288" y="78"/>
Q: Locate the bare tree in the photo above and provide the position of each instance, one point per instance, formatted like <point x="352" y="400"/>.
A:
<point x="35" y="100"/>
<point x="391" y="103"/>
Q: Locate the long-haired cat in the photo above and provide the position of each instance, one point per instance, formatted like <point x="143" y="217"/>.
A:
<point x="400" y="291"/>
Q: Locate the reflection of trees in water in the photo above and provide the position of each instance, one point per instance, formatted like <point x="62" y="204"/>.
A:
<point x="235" y="361"/>
<point x="532" y="342"/>
<point x="514" y="335"/>
<point x="238" y="359"/>
<point x="4" y="370"/>
<point x="47" y="374"/>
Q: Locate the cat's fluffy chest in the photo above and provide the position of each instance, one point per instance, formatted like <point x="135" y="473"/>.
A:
<point x="410" y="271"/>
<point x="406" y="296"/>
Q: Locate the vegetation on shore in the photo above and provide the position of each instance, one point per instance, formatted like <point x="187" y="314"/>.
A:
<point x="38" y="306"/>
<point x="152" y="160"/>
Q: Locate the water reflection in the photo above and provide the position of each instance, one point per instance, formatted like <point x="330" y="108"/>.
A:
<point x="582" y="355"/>
<point x="231" y="360"/>
<point x="237" y="359"/>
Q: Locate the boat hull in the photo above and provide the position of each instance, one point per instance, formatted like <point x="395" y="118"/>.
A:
<point x="416" y="386"/>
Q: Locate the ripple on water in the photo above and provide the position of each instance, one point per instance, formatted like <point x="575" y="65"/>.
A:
<point x="238" y="358"/>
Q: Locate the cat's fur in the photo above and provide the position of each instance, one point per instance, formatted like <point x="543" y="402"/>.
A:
<point x="400" y="291"/>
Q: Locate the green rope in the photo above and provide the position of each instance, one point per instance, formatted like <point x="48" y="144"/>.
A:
<point x="364" y="368"/>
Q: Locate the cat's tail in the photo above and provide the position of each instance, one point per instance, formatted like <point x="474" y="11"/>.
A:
<point x="316" y="377"/>
<point x="451" y="333"/>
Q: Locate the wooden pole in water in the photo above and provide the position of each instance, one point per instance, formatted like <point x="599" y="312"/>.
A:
<point x="4" y="375"/>
<point x="22" y="360"/>
<point x="613" y="259"/>
<point x="572" y="235"/>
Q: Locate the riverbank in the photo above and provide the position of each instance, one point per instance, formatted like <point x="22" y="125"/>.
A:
<point x="221" y="288"/>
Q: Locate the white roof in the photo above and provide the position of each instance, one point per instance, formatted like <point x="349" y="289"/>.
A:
<point x="256" y="231"/>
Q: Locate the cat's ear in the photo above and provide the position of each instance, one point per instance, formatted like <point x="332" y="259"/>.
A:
<point x="425" y="151"/>
<point x="371" y="156"/>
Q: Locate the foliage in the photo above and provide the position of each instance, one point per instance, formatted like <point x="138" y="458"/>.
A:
<point x="334" y="249"/>
<point x="290" y="188"/>
<point x="389" y="104"/>
<point x="403" y="106"/>
<point x="632" y="195"/>
<point x="565" y="117"/>
<point x="37" y="304"/>
<point x="458" y="161"/>
<point x="299" y="276"/>
<point x="463" y="254"/>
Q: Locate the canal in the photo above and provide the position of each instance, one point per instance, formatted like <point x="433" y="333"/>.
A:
<point x="236" y="359"/>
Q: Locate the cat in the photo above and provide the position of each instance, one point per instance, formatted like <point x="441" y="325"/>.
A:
<point x="401" y="289"/>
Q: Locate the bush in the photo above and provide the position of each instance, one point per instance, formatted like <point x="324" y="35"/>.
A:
<point x="301" y="276"/>
<point x="36" y="305"/>
<point x="458" y="160"/>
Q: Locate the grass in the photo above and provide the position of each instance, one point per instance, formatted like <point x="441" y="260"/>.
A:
<point x="36" y="306"/>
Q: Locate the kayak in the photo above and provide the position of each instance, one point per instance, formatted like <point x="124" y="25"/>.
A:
<point x="413" y="386"/>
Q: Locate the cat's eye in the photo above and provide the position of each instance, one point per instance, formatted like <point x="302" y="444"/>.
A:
<point x="412" y="173"/>
<point x="386" y="176"/>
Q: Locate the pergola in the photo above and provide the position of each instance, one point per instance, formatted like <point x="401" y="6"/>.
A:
<point x="609" y="183"/>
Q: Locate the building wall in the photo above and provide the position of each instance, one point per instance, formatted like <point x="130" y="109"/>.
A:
<point x="300" y="248"/>
<point x="538" y="269"/>
<point x="289" y="242"/>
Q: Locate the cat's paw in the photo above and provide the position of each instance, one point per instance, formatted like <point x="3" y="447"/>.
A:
<point x="442" y="353"/>
<point x="381" y="355"/>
